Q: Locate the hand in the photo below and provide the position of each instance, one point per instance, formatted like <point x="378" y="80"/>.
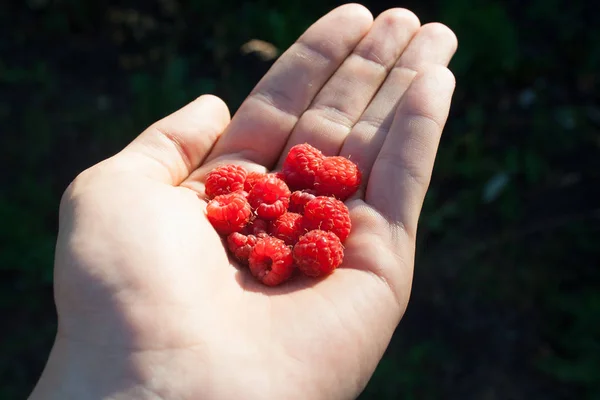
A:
<point x="150" y="306"/>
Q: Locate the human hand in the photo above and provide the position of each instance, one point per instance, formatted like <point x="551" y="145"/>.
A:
<point x="149" y="304"/>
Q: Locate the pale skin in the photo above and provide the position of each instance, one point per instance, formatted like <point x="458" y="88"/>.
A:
<point x="150" y="306"/>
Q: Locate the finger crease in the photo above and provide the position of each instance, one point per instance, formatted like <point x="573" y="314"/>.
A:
<point x="274" y="100"/>
<point x="376" y="122"/>
<point x="395" y="162"/>
<point x="181" y="149"/>
<point x="315" y="51"/>
<point x="381" y="277"/>
<point x="371" y="59"/>
<point x="422" y="116"/>
<point x="277" y="100"/>
<point x="335" y="115"/>
<point x="403" y="68"/>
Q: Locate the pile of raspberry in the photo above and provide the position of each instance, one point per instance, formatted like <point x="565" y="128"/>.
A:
<point x="281" y="221"/>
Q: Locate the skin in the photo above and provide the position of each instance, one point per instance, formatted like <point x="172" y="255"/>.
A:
<point x="149" y="304"/>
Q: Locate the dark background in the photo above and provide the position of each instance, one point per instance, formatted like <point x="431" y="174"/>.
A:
<point x="505" y="303"/>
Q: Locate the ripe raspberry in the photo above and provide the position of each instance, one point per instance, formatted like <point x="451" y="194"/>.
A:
<point x="300" y="166"/>
<point x="241" y="246"/>
<point x="228" y="213"/>
<point x="337" y="177"/>
<point x="288" y="227"/>
<point x="258" y="227"/>
<point x="318" y="253"/>
<point x="269" y="197"/>
<point x="225" y="179"/>
<point x="251" y="179"/>
<point x="271" y="261"/>
<point x="298" y="200"/>
<point x="328" y="214"/>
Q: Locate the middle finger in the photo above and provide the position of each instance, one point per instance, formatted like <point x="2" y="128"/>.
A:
<point x="348" y="92"/>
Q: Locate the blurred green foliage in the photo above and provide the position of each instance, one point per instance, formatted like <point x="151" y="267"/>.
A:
<point x="506" y="300"/>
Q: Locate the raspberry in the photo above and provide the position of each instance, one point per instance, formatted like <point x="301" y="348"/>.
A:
<point x="225" y="179"/>
<point x="318" y="253"/>
<point x="337" y="177"/>
<point x="228" y="213"/>
<point x="328" y="214"/>
<point x="300" y="166"/>
<point x="298" y="200"/>
<point x="258" y="227"/>
<point x="271" y="229"/>
<point x="271" y="261"/>
<point x="288" y="227"/>
<point x="269" y="197"/>
<point x="241" y="246"/>
<point x="251" y="179"/>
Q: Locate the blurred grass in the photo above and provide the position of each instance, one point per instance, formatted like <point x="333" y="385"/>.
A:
<point x="505" y="303"/>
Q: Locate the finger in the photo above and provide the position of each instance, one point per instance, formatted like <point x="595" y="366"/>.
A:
<point x="402" y="171"/>
<point x="433" y="44"/>
<point x="345" y="96"/>
<point x="260" y="128"/>
<point x="170" y="149"/>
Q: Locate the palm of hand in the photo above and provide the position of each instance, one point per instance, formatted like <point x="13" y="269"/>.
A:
<point x="142" y="276"/>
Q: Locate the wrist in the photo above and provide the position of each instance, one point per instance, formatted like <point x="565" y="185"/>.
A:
<point x="75" y="371"/>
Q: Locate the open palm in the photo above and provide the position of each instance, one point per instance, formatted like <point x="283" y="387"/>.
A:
<point x="149" y="303"/>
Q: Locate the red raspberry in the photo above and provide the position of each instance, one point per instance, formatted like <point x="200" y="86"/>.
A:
<point x="225" y="179"/>
<point x="328" y="214"/>
<point x="258" y="227"/>
<point x="241" y="246"/>
<point x="270" y="197"/>
<point x="318" y="253"/>
<point x="288" y="227"/>
<point x="228" y="213"/>
<point x="337" y="177"/>
<point x="271" y="261"/>
<point x="300" y="166"/>
<point x="298" y="200"/>
<point x="251" y="179"/>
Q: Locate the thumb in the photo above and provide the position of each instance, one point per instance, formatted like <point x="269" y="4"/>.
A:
<point x="173" y="147"/>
